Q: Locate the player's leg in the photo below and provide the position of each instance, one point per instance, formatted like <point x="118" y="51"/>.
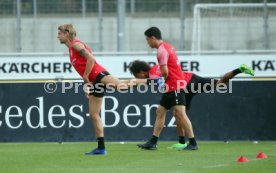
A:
<point x="179" y="110"/>
<point x="181" y="138"/>
<point x="94" y="110"/>
<point x="191" y="90"/>
<point x="114" y="82"/>
<point x="184" y="122"/>
<point x="159" y="120"/>
<point x="158" y="126"/>
<point x="181" y="131"/>
<point x="198" y="85"/>
<point x="182" y="119"/>
<point x="165" y="105"/>
<point x="242" y="69"/>
<point x="189" y="94"/>
<point x="95" y="103"/>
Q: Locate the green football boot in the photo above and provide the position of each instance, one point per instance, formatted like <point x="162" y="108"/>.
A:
<point x="178" y="146"/>
<point x="246" y="70"/>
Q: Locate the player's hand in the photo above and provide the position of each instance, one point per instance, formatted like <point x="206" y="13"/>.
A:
<point x="160" y="83"/>
<point x="87" y="91"/>
<point x="85" y="79"/>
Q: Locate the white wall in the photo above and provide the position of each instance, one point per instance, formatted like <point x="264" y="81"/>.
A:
<point x="40" y="35"/>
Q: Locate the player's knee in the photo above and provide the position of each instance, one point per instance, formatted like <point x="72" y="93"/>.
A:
<point x="180" y="116"/>
<point x="177" y="113"/>
<point x="159" y="112"/>
<point x="94" y="116"/>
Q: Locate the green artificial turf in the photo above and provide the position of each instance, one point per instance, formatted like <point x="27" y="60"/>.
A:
<point x="215" y="157"/>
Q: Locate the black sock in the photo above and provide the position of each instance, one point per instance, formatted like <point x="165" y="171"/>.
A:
<point x="193" y="141"/>
<point x="101" y="143"/>
<point x="181" y="139"/>
<point x="154" y="139"/>
<point x="236" y="71"/>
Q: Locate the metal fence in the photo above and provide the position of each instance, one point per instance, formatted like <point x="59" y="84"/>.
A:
<point x="105" y="25"/>
<point x="39" y="8"/>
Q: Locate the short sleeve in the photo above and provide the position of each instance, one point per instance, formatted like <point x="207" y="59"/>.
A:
<point x="162" y="55"/>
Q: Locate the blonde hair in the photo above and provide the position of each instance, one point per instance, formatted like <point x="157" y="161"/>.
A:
<point x="70" y="29"/>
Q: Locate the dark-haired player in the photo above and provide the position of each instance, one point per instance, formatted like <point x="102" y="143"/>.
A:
<point x="141" y="69"/>
<point x="174" y="96"/>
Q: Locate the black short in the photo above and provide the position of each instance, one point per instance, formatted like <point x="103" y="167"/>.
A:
<point x="196" y="86"/>
<point x="98" y="88"/>
<point x="173" y="98"/>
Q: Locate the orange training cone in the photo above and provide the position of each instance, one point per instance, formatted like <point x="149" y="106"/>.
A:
<point x="261" y="155"/>
<point x="242" y="159"/>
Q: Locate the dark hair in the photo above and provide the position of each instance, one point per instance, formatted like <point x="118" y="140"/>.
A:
<point x="153" y="31"/>
<point x="138" y="66"/>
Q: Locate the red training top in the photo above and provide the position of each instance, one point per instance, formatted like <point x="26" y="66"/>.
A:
<point x="155" y="73"/>
<point x="79" y="62"/>
<point x="167" y="56"/>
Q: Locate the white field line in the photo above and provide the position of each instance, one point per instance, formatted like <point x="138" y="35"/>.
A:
<point x="217" y="166"/>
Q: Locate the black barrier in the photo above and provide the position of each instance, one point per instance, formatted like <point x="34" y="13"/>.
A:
<point x="29" y="113"/>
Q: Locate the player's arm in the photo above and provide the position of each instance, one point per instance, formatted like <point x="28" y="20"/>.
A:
<point x="134" y="82"/>
<point x="148" y="81"/>
<point x="164" y="70"/>
<point x="162" y="57"/>
<point x="90" y="60"/>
